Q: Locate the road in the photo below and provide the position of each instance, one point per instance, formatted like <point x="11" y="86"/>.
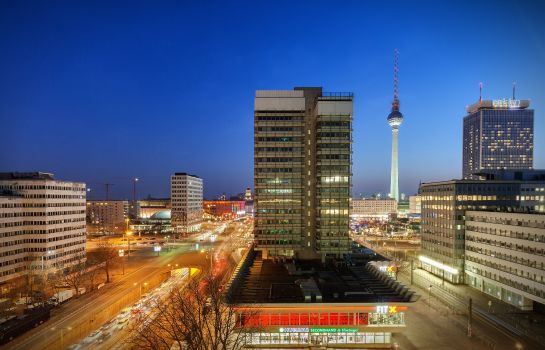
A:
<point x="225" y="251"/>
<point x="77" y="318"/>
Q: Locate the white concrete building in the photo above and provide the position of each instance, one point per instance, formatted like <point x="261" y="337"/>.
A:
<point x="373" y="209"/>
<point x="186" y="195"/>
<point x="415" y="205"/>
<point x="42" y="223"/>
<point x="505" y="256"/>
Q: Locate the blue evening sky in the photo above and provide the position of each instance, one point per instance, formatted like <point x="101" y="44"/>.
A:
<point x="102" y="91"/>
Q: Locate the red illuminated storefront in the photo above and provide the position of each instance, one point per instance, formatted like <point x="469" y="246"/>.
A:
<point x="225" y="209"/>
<point x="322" y="324"/>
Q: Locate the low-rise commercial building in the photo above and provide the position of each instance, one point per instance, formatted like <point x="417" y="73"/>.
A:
<point x="225" y="209"/>
<point x="42" y="223"/>
<point x="150" y="206"/>
<point x="107" y="216"/>
<point x="283" y="304"/>
<point x="505" y="256"/>
<point x="373" y="209"/>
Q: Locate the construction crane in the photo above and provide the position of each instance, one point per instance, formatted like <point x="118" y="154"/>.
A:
<point x="106" y="188"/>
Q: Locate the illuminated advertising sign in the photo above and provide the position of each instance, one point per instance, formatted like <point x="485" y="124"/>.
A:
<point x="333" y="330"/>
<point x="386" y="309"/>
<point x="294" y="329"/>
<point x="506" y="103"/>
<point x="317" y="330"/>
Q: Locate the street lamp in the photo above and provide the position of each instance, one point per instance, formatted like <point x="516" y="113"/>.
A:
<point x="47" y="253"/>
<point x="121" y="255"/>
<point x="145" y="284"/>
<point x="128" y="234"/>
<point x="429" y="295"/>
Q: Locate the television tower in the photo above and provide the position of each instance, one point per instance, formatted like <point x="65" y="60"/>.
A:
<point x="395" y="118"/>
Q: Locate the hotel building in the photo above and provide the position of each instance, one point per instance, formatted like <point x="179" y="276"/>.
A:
<point x="42" y="223"/>
<point x="302" y="172"/>
<point x="186" y="195"/>
<point x="498" y="134"/>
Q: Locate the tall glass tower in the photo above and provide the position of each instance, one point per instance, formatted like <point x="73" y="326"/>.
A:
<point x="395" y="118"/>
<point x="498" y="134"/>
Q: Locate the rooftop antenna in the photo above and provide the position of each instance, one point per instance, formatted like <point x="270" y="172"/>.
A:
<point x="514" y="88"/>
<point x="395" y="103"/>
<point x="480" y="92"/>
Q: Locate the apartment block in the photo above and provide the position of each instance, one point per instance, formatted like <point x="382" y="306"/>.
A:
<point x="107" y="216"/>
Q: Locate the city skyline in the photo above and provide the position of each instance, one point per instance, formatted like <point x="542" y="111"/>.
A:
<point x="138" y="100"/>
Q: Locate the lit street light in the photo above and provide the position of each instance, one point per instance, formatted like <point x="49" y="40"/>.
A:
<point x="128" y="234"/>
<point x="145" y="284"/>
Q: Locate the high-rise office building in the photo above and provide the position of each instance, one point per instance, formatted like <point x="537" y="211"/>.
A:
<point x="395" y="118"/>
<point x="444" y="205"/>
<point x="186" y="195"/>
<point x="498" y="134"/>
<point x="42" y="224"/>
<point x="302" y="172"/>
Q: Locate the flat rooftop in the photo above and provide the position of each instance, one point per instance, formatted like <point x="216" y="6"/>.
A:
<point x="310" y="281"/>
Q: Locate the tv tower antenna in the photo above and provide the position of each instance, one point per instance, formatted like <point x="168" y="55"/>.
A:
<point x="395" y="103"/>
<point x="480" y="92"/>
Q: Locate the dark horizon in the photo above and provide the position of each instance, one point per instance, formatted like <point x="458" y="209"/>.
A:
<point x="104" y="92"/>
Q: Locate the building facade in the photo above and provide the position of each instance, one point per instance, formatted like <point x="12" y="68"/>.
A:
<point x="373" y="209"/>
<point x="42" y="224"/>
<point x="225" y="209"/>
<point x="443" y="217"/>
<point x="505" y="256"/>
<point x="415" y="205"/>
<point x="186" y="195"/>
<point x="150" y="206"/>
<point x="107" y="216"/>
<point x="498" y="134"/>
<point x="302" y="172"/>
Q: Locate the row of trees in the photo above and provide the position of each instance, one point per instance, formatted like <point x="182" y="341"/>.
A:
<point x="41" y="284"/>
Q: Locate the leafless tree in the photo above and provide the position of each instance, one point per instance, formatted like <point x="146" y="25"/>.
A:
<point x="194" y="317"/>
<point x="72" y="276"/>
<point x="106" y="254"/>
<point x="93" y="272"/>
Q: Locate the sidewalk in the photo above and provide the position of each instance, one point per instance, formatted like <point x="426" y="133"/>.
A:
<point x="521" y="320"/>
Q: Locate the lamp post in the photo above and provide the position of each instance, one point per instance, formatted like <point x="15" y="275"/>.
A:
<point x="140" y="284"/>
<point x="121" y="255"/>
<point x="128" y="234"/>
<point x="429" y="295"/>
